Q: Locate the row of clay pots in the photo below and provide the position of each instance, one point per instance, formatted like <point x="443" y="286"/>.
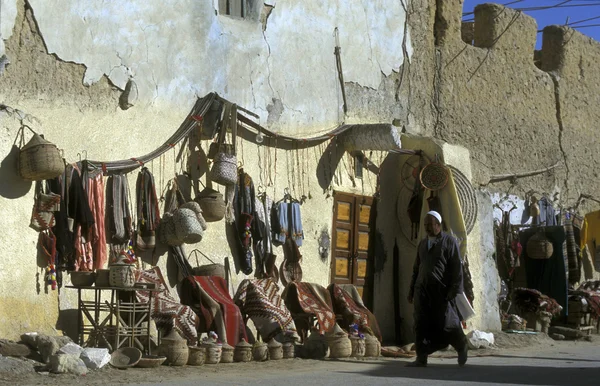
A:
<point x="178" y="353"/>
<point x="336" y="346"/>
<point x="341" y="346"/>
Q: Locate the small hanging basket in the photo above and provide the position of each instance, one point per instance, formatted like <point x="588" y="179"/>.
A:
<point x="539" y="247"/>
<point x="213" y="269"/>
<point x="434" y="176"/>
<point x="212" y="204"/>
<point x="39" y="159"/>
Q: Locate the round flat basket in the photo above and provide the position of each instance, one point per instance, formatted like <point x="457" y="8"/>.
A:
<point x="151" y="361"/>
<point x="434" y="176"/>
<point x="125" y="357"/>
<point x="467" y="196"/>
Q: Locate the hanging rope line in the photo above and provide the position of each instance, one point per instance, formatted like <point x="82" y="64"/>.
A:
<point x="199" y="110"/>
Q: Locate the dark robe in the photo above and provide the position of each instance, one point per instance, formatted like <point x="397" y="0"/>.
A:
<point x="437" y="279"/>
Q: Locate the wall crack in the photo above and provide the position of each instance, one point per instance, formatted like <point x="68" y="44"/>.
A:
<point x="555" y="80"/>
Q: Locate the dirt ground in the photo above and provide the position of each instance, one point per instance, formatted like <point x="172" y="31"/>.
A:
<point x="21" y="372"/>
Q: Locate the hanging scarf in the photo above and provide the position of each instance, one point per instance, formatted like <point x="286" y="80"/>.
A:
<point x="244" y="203"/>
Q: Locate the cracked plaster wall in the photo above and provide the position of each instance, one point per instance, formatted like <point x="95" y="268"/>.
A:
<point x="182" y="48"/>
<point x="68" y="76"/>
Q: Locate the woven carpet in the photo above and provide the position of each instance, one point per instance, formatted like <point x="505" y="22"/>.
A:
<point x="260" y="300"/>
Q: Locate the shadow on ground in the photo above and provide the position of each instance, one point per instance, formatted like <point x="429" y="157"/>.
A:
<point x="497" y="374"/>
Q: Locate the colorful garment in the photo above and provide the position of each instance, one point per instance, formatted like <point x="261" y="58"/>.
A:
<point x="227" y="315"/>
<point x="260" y="300"/>
<point x="166" y="311"/>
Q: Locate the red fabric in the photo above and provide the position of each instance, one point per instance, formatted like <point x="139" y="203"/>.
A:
<point x="315" y="300"/>
<point x="216" y="288"/>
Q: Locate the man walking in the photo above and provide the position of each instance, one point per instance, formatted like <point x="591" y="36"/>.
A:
<point x="436" y="281"/>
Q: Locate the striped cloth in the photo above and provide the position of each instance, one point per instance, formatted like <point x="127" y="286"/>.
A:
<point x="166" y="311"/>
<point x="260" y="300"/>
<point x="312" y="299"/>
<point x="209" y="297"/>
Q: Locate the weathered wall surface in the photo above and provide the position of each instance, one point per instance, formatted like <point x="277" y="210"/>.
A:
<point x="494" y="100"/>
<point x="68" y="77"/>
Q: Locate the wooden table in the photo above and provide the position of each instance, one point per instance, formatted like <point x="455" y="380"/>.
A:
<point x="115" y="318"/>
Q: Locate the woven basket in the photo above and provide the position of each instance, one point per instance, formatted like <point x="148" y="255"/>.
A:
<point x="213" y="353"/>
<point x="242" y="352"/>
<point x="372" y="346"/>
<point x="358" y="347"/>
<point x="195" y="207"/>
<point x="467" y="197"/>
<point x="260" y="352"/>
<point x="40" y="160"/>
<point x="434" y="176"/>
<point x="539" y="247"/>
<point x="122" y="275"/>
<point x="212" y="204"/>
<point x="187" y="227"/>
<point x="210" y="270"/>
<point x="275" y="350"/>
<point x="196" y="356"/>
<point x="339" y="346"/>
<point x="224" y="169"/>
<point x="227" y="353"/>
<point x="289" y="350"/>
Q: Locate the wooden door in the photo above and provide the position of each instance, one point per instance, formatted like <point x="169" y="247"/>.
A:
<point x="351" y="240"/>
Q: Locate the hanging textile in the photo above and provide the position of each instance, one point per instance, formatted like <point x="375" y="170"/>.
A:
<point x="96" y="201"/>
<point x="286" y="222"/>
<point x="118" y="211"/>
<point x="549" y="276"/>
<point x="65" y="245"/>
<point x="245" y="226"/>
<point x="165" y="310"/>
<point x="260" y="300"/>
<point x="148" y="215"/>
<point x="312" y="299"/>
<point x="226" y="316"/>
<point x="348" y="303"/>
<point x="83" y="220"/>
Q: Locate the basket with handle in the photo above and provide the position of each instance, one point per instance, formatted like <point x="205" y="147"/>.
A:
<point x="213" y="269"/>
<point x="39" y="159"/>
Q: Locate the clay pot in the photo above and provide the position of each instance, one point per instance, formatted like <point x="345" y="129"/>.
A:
<point x="196" y="356"/>
<point x="275" y="350"/>
<point x="227" y="353"/>
<point x="260" y="352"/>
<point x="372" y="346"/>
<point x="242" y="352"/>
<point x="358" y="347"/>
<point x="289" y="350"/>
<point x="175" y="348"/>
<point x="213" y="353"/>
<point x="339" y="346"/>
